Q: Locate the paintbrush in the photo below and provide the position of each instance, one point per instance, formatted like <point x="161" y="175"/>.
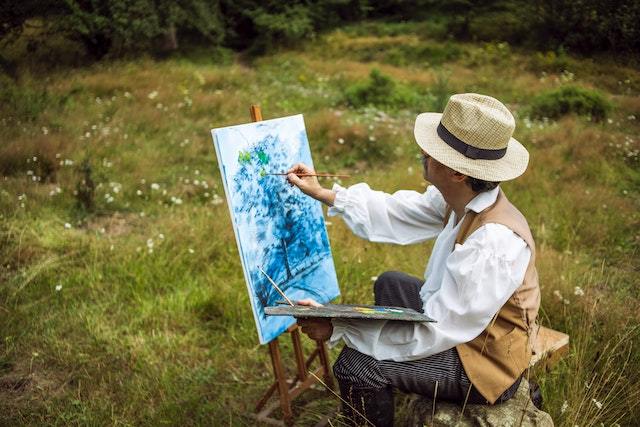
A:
<point x="276" y="286"/>
<point x="315" y="174"/>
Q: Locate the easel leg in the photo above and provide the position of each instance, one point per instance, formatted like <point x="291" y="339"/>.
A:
<point x="324" y="361"/>
<point x="297" y="349"/>
<point x="283" y="390"/>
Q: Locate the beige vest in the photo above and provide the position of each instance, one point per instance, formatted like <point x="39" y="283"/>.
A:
<point x="498" y="356"/>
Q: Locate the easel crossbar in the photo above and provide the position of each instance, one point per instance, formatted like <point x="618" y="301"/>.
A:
<point x="291" y="383"/>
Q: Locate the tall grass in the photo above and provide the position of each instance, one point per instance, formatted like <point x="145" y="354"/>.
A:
<point x="135" y="311"/>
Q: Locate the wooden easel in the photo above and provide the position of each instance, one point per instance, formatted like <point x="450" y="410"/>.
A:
<point x="290" y="389"/>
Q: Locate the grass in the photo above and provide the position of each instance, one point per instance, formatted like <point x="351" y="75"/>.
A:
<point x="133" y="309"/>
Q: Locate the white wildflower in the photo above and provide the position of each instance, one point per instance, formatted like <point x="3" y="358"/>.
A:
<point x="58" y="288"/>
<point x="598" y="404"/>
<point x="153" y="95"/>
<point x="578" y="291"/>
<point x="564" y="407"/>
<point x="139" y="192"/>
<point x="374" y="278"/>
<point x="161" y="236"/>
<point x="191" y="251"/>
<point x="340" y="141"/>
<point x="67" y="225"/>
<point x="155" y="186"/>
<point x="558" y="295"/>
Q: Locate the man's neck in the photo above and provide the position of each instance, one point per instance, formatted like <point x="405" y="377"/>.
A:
<point x="458" y="197"/>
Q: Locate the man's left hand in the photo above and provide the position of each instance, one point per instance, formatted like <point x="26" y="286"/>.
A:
<point x="317" y="328"/>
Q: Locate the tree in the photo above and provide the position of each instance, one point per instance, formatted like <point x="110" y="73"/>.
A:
<point x="116" y="26"/>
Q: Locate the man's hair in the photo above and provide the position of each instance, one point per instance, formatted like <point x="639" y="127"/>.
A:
<point x="480" y="186"/>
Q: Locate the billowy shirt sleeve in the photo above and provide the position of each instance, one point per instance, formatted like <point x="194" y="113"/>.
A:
<point x="480" y="276"/>
<point x="403" y="218"/>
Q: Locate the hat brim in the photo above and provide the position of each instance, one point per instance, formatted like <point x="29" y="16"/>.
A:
<point x="510" y="166"/>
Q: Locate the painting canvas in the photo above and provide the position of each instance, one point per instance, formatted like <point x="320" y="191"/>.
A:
<point x="278" y="229"/>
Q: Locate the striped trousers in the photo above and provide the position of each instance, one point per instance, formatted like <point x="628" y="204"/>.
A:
<point x="442" y="371"/>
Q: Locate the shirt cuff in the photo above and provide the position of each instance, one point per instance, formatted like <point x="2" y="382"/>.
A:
<point x="339" y="329"/>
<point x="340" y="201"/>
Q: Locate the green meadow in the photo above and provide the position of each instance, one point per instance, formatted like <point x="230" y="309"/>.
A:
<point x="122" y="297"/>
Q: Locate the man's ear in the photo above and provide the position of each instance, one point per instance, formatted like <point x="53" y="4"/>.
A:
<point x="458" y="177"/>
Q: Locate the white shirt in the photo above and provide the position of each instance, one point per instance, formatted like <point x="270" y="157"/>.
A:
<point x="464" y="286"/>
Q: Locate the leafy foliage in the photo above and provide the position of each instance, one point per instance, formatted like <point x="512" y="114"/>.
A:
<point x="118" y="27"/>
<point x="122" y="26"/>
<point x="380" y="90"/>
<point x="570" y="99"/>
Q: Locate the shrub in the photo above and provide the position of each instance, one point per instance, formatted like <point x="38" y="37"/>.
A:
<point x="550" y="61"/>
<point x="380" y="90"/>
<point x="570" y="99"/>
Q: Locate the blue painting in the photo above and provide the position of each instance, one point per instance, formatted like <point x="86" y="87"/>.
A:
<point x="280" y="232"/>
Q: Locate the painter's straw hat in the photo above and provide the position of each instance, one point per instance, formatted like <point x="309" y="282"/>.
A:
<point x="473" y="136"/>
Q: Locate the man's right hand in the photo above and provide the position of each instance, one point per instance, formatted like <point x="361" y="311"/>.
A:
<point x="309" y="185"/>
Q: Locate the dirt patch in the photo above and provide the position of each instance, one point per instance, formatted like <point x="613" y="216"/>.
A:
<point x="22" y="386"/>
<point x="113" y="225"/>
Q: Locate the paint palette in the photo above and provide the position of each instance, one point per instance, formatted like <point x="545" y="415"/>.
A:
<point x="349" y="311"/>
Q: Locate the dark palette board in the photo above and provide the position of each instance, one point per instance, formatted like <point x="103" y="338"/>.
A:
<point x="349" y="311"/>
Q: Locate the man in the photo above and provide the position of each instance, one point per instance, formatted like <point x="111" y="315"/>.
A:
<point x="480" y="283"/>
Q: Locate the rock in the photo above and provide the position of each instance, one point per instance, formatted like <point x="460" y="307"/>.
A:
<point x="508" y="414"/>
